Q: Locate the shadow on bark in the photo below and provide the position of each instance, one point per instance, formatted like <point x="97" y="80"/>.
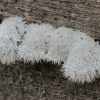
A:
<point x="42" y="82"/>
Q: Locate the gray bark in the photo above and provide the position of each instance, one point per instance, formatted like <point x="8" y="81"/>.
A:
<point x="79" y="14"/>
<point x="43" y="82"/>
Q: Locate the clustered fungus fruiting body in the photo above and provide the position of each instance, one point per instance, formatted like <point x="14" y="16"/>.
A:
<point x="11" y="30"/>
<point x="83" y="63"/>
<point x="34" y="42"/>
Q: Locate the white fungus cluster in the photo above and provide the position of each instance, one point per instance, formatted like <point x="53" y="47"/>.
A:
<point x="35" y="42"/>
<point x="11" y="30"/>
<point x="33" y="47"/>
<point x="58" y="44"/>
<point x="83" y="63"/>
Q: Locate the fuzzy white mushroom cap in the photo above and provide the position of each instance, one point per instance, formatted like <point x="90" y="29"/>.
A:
<point x="58" y="45"/>
<point x="34" y="42"/>
<point x="33" y="47"/>
<point x="83" y="63"/>
<point x="11" y="30"/>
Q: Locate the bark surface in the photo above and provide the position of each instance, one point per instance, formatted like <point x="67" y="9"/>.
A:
<point x="79" y="14"/>
<point x="42" y="82"/>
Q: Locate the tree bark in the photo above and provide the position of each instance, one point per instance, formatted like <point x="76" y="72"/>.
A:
<point x="43" y="82"/>
<point x="78" y="14"/>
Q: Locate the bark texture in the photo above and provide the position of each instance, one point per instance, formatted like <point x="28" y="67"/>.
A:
<point x="79" y="14"/>
<point x="45" y="81"/>
<point x="42" y="82"/>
